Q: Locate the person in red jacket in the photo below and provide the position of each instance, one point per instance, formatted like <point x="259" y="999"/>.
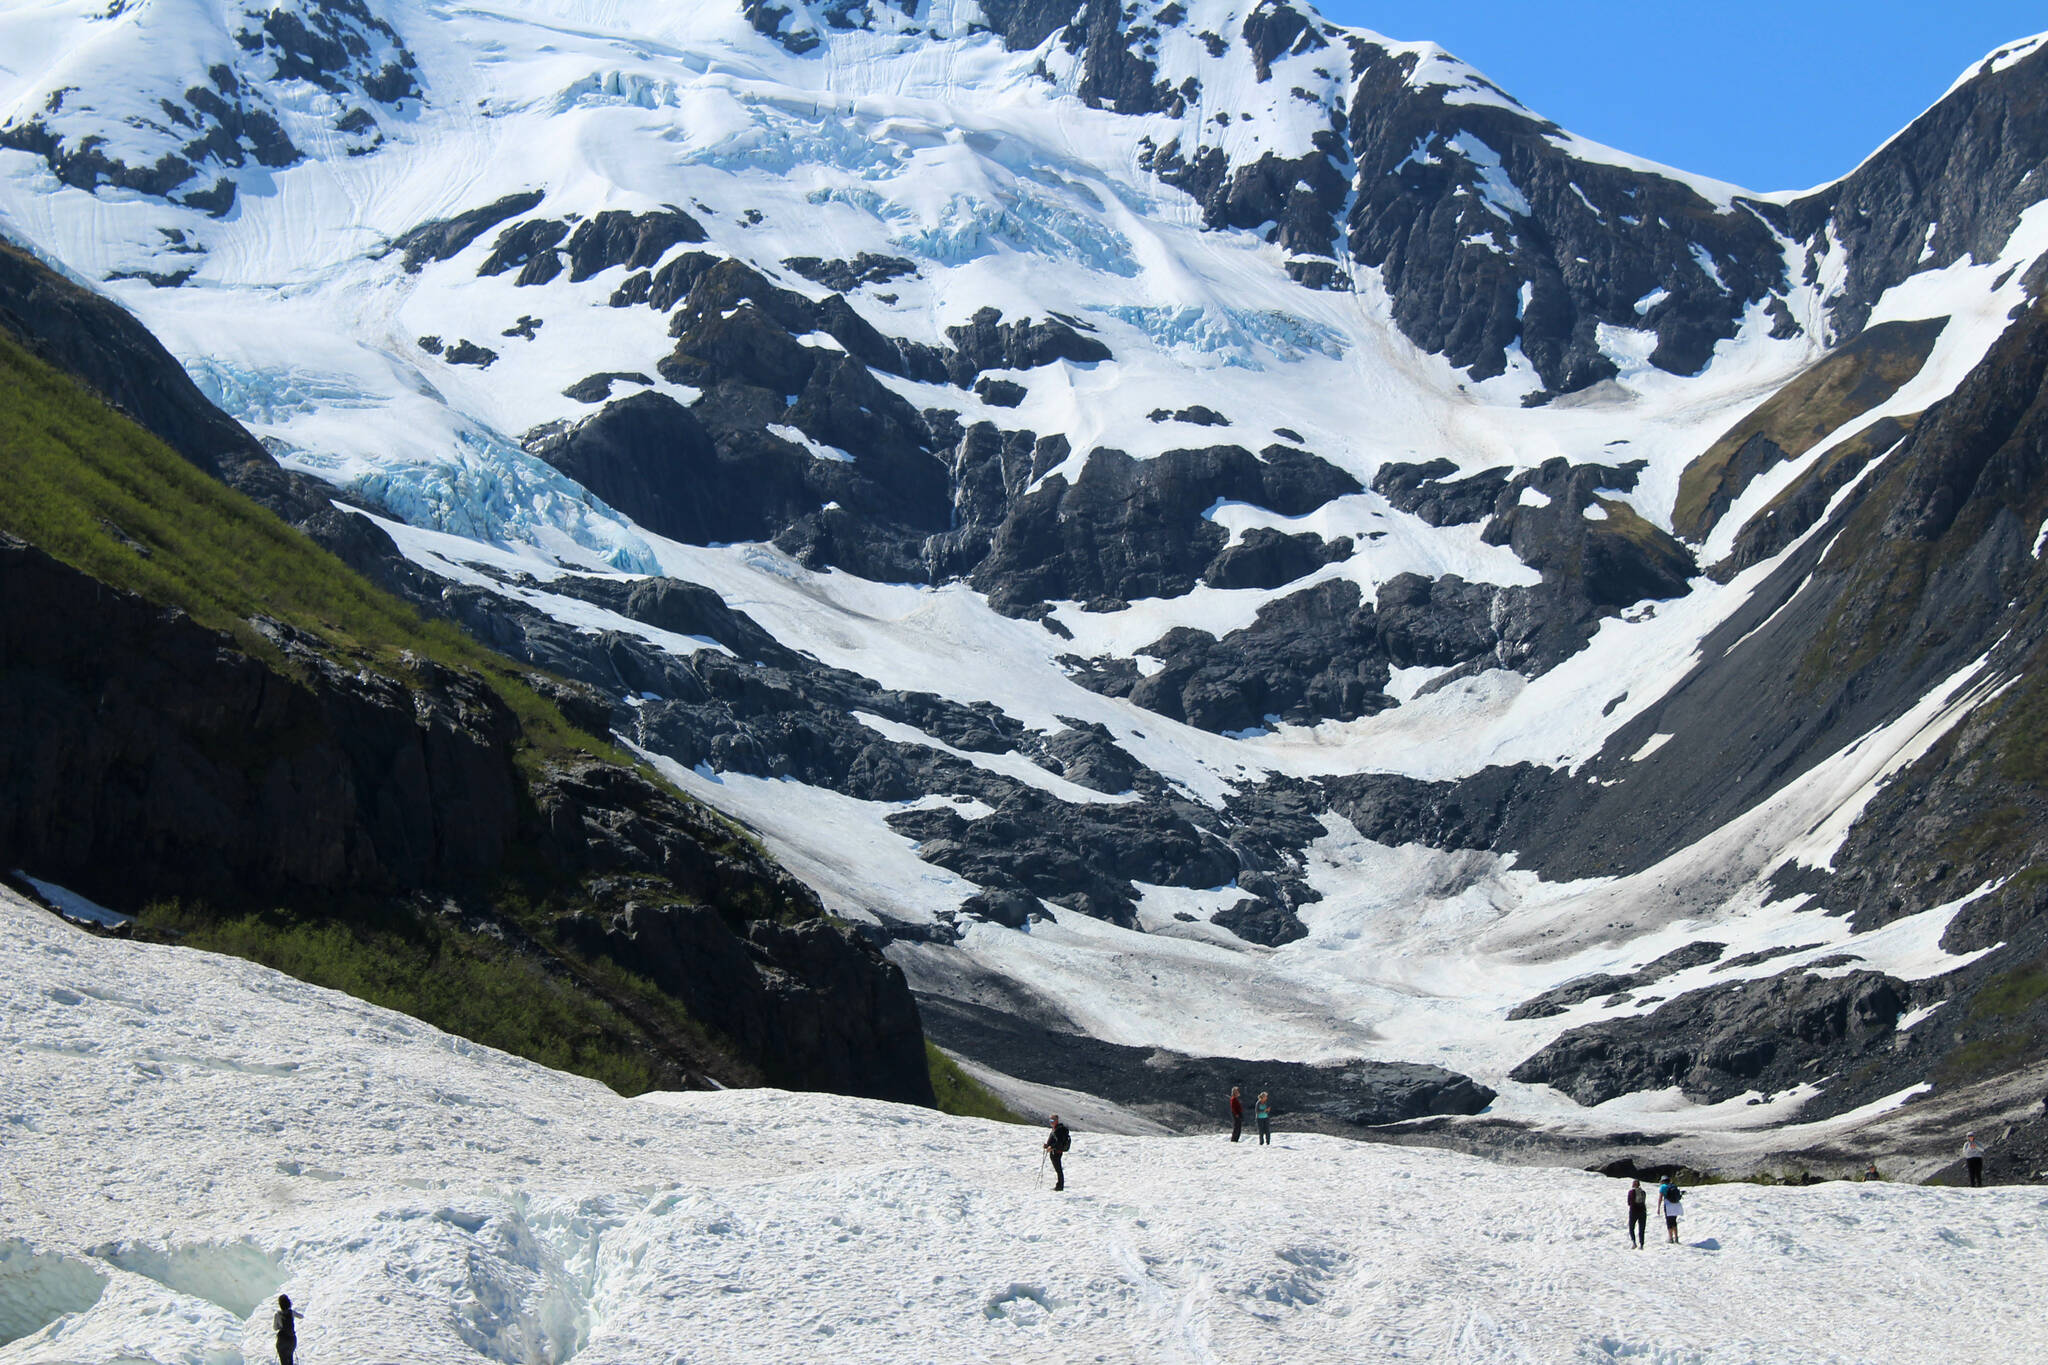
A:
<point x="1236" y="1115"/>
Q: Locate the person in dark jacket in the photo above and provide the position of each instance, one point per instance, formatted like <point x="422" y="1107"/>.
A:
<point x="1236" y="1115"/>
<point x="285" y="1320"/>
<point x="1638" y="1213"/>
<point x="1056" y="1144"/>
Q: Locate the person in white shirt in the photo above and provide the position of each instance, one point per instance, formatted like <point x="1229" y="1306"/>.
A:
<point x="1973" y="1157"/>
<point x="1668" y="1198"/>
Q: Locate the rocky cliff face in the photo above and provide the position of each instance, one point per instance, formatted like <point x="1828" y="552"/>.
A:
<point x="1311" y="518"/>
<point x="148" y="758"/>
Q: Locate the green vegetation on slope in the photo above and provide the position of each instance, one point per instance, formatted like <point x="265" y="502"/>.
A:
<point x="90" y="488"/>
<point x="469" y="984"/>
<point x="1841" y="387"/>
<point x="959" y="1093"/>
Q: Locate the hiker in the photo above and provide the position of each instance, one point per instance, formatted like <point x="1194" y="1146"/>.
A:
<point x="1638" y="1214"/>
<point x="1263" y="1112"/>
<point x="1236" y="1115"/>
<point x="1668" y="1198"/>
<point x="285" y="1320"/>
<point x="1870" y="1171"/>
<point x="1056" y="1143"/>
<point x="1973" y="1157"/>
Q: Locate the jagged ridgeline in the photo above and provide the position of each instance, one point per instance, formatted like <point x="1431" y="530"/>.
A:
<point x="1207" y="534"/>
<point x="216" y="725"/>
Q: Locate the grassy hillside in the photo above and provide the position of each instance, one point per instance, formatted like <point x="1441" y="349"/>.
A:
<point x="92" y="489"/>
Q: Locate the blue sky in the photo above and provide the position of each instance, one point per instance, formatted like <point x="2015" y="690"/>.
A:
<point x="1771" y="94"/>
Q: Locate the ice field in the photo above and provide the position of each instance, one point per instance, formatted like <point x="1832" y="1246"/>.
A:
<point x="187" y="1135"/>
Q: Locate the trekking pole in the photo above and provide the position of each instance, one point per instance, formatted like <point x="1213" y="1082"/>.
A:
<point x="1041" y="1163"/>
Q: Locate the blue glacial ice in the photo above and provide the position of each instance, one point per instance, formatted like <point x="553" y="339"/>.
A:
<point x="1235" y="336"/>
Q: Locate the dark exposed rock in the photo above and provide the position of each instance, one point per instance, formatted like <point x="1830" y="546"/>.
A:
<point x="1103" y="536"/>
<point x="651" y="457"/>
<point x="1299" y="196"/>
<point x="1359" y="1093"/>
<point x="999" y="393"/>
<point x="1081" y="857"/>
<point x="1587" y="241"/>
<point x="1593" y="546"/>
<point x="524" y="243"/>
<point x="1025" y="24"/>
<point x="1314" y="655"/>
<point x="338" y="45"/>
<point x="1007" y="908"/>
<point x="1966" y="169"/>
<point x="1717" y="1043"/>
<point x="445" y="238"/>
<point x="847" y="276"/>
<point x="1422" y="489"/>
<point x="1195" y="416"/>
<point x="1087" y="753"/>
<point x="1275" y="28"/>
<point x="598" y="387"/>
<point x="1115" y="74"/>
<point x="1560" y="998"/>
<point x="1263" y="922"/>
<point x="469" y="353"/>
<point x="1266" y="558"/>
<point x="814" y="1003"/>
<point x="986" y="342"/>
<point x="633" y="240"/>
<point x="663" y="289"/>
<point x="146" y="752"/>
<point x="1436" y="623"/>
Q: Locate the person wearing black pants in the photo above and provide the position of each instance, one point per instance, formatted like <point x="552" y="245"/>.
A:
<point x="1263" y="1112"/>
<point x="1056" y="1144"/>
<point x="1236" y="1115"/>
<point x="285" y="1320"/>
<point x="1638" y="1214"/>
<point x="1973" y="1157"/>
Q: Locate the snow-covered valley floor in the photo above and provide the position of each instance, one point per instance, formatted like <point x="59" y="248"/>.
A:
<point x="183" y="1135"/>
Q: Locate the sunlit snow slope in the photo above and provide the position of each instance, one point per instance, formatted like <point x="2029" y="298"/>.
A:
<point x="1410" y="382"/>
<point x="188" y="1136"/>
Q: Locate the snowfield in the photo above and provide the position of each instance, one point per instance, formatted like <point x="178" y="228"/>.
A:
<point x="188" y="1135"/>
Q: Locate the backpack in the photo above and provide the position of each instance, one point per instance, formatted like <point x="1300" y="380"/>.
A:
<point x="1673" y="1193"/>
<point x="1062" y="1140"/>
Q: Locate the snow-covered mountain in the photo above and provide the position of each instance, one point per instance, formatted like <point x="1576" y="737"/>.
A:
<point x="1203" y="529"/>
<point x="189" y="1135"/>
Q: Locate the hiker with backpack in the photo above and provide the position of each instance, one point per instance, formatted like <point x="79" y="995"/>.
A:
<point x="1056" y="1144"/>
<point x="1263" y="1112"/>
<point x="1236" y="1115"/>
<point x="1669" y="1196"/>
<point x="1638" y="1214"/>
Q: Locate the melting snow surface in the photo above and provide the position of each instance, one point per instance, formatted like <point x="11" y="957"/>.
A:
<point x="190" y="1135"/>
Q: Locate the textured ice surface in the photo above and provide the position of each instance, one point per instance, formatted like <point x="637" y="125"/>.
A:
<point x="425" y="1199"/>
<point x="1248" y="338"/>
